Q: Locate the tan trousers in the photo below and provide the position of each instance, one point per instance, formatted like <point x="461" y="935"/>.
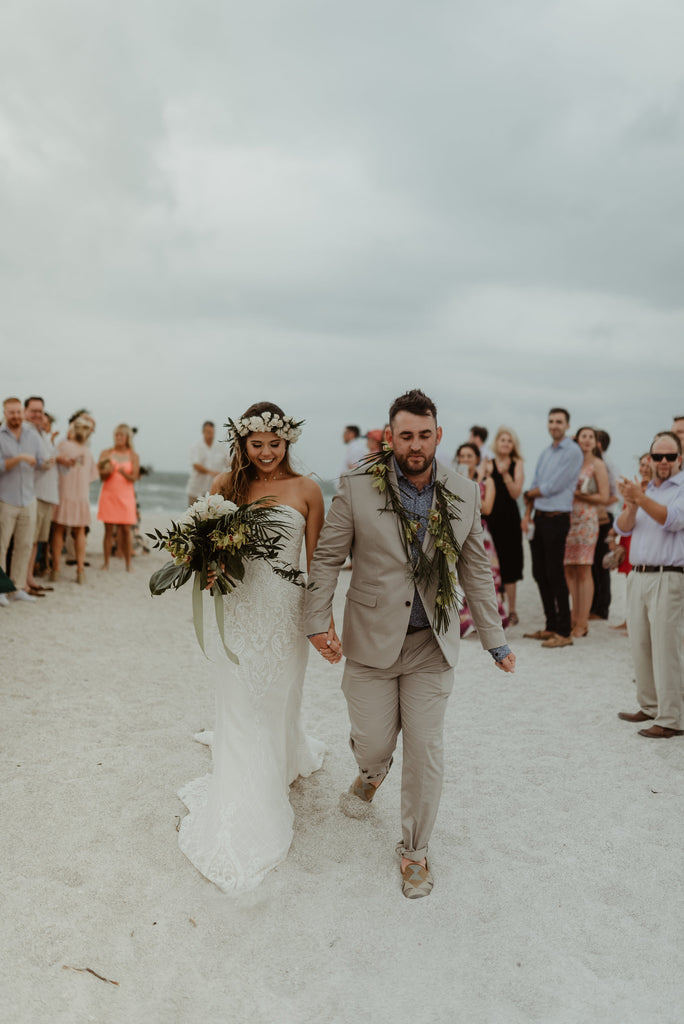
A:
<point x="411" y="696"/>
<point x="44" y="510"/>
<point x="20" y="522"/>
<point x="655" y="619"/>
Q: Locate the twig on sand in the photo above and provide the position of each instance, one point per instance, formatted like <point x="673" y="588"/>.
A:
<point x="66" y="967"/>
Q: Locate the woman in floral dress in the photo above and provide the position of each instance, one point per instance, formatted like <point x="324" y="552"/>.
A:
<point x="591" y="491"/>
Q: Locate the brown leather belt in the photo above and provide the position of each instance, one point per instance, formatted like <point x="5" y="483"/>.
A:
<point x="658" y="568"/>
<point x="548" y="515"/>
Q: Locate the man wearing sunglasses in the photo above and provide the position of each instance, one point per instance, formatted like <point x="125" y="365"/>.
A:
<point x="655" y="589"/>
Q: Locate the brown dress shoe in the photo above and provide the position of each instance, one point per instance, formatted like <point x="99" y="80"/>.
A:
<point x="638" y="716"/>
<point x="555" y="640"/>
<point x="660" y="732"/>
<point x="541" y="634"/>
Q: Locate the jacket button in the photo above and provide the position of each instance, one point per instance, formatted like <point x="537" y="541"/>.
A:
<point x="408" y="604"/>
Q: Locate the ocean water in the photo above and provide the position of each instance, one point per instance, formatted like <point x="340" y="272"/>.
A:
<point x="164" y="494"/>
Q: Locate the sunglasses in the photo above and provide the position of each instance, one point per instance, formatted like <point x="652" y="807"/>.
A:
<point x="659" y="456"/>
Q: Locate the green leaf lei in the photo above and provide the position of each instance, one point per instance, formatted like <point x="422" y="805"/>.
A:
<point x="441" y="564"/>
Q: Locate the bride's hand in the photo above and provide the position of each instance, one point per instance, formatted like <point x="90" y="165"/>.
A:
<point x="211" y="579"/>
<point x="328" y="645"/>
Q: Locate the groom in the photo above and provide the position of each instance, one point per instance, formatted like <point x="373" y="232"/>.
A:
<point x="400" y="659"/>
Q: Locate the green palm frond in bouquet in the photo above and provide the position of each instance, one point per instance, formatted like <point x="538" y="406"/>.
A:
<point x="216" y="538"/>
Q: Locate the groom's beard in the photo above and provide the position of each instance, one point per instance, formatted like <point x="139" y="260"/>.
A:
<point x="414" y="465"/>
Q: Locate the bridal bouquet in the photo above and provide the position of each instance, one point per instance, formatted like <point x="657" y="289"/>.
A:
<point x="217" y="537"/>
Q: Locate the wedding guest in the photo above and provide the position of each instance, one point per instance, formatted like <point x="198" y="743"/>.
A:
<point x="6" y="587"/>
<point x="624" y="566"/>
<point x="207" y="459"/>
<point x="87" y="428"/>
<point x="374" y="441"/>
<point x="600" y="603"/>
<point x="46" y="484"/>
<point x="468" y="460"/>
<point x="478" y="436"/>
<point x="73" y="510"/>
<point x="678" y="427"/>
<point x="354" y="448"/>
<point x="119" y="468"/>
<point x="507" y="473"/>
<point x="591" y="491"/>
<point x="20" y="454"/>
<point x="551" y="497"/>
<point x="87" y="421"/>
<point x="655" y="590"/>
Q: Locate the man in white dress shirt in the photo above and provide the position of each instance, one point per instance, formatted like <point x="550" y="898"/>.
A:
<point x="207" y="458"/>
<point x="355" y="448"/>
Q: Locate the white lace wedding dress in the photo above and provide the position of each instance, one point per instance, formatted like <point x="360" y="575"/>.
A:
<point x="240" y="820"/>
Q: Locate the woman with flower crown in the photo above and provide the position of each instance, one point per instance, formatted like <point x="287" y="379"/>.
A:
<point x="240" y="820"/>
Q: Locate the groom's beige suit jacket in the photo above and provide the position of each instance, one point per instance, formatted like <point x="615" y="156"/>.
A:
<point x="380" y="595"/>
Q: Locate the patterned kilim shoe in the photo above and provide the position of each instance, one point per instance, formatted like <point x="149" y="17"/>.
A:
<point x="416" y="880"/>
<point x="363" y="789"/>
<point x="355" y="803"/>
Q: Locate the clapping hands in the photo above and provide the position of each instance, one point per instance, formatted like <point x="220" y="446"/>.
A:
<point x="630" y="490"/>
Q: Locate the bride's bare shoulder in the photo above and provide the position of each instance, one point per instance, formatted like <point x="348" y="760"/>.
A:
<point x="308" y="487"/>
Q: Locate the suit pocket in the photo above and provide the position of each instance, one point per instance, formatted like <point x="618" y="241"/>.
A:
<point x="369" y="600"/>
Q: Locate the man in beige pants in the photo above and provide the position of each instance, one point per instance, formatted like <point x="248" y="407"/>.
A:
<point x="400" y="652"/>
<point x="654" y="519"/>
<point x="20" y="454"/>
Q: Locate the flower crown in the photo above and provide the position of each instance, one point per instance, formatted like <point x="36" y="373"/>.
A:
<point x="267" y="423"/>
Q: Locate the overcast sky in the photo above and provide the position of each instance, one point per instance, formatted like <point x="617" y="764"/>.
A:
<point x="322" y="204"/>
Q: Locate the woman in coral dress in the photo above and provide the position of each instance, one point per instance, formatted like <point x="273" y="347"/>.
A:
<point x="77" y="471"/>
<point x="591" y="491"/>
<point x="119" y="469"/>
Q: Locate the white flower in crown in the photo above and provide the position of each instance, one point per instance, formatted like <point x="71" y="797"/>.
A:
<point x="268" y="423"/>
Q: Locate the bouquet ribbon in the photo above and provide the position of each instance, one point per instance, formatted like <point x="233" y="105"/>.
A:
<point x="198" y="618"/>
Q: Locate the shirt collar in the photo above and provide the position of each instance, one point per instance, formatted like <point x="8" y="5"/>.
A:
<point x="675" y="481"/>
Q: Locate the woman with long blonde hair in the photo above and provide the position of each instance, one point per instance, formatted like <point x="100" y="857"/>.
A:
<point x="119" y="468"/>
<point x="507" y="472"/>
<point x="73" y="510"/>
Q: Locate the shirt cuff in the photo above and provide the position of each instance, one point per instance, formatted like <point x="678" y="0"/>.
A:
<point x="499" y="653"/>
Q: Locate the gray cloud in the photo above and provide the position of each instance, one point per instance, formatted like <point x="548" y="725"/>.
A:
<point x="328" y="205"/>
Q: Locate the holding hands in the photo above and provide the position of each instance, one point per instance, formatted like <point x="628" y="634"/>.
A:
<point x="328" y="644"/>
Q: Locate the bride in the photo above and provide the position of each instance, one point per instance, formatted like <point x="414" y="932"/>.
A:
<point x="239" y="824"/>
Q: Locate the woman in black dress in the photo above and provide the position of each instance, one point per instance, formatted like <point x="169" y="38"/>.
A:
<point x="507" y="472"/>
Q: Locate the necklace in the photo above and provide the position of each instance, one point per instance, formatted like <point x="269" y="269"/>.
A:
<point x="268" y="479"/>
<point x="423" y="568"/>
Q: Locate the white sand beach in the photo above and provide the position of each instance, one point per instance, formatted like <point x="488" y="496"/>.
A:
<point x="557" y="854"/>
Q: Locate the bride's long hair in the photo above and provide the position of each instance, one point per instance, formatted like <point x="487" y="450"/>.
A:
<point x="242" y="472"/>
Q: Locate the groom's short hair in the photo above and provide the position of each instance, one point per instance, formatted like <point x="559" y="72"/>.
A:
<point x="414" y="401"/>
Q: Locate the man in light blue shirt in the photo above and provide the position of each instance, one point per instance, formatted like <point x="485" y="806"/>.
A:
<point x="551" y="496"/>
<point x="20" y="454"/>
<point x="654" y="519"/>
